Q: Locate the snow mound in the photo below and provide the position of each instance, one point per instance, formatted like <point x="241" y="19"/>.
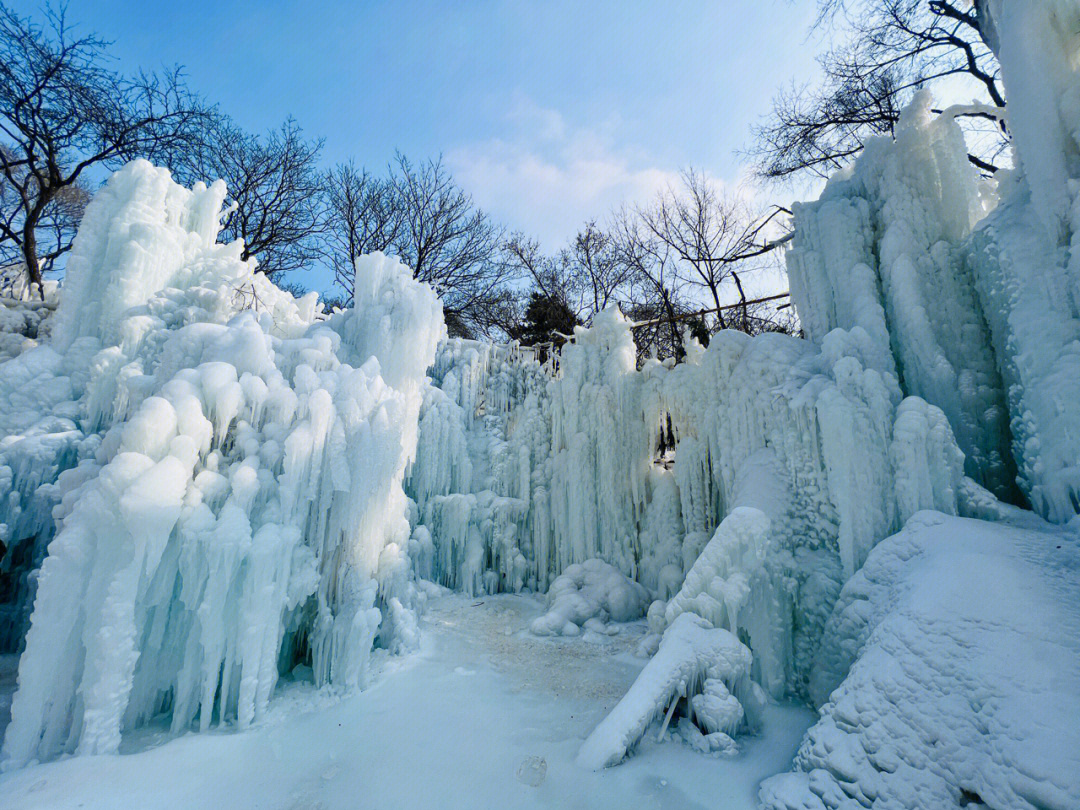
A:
<point x="953" y="662"/>
<point x="707" y="666"/>
<point x="590" y="595"/>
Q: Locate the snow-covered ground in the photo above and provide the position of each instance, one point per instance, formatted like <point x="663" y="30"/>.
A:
<point x="458" y="724"/>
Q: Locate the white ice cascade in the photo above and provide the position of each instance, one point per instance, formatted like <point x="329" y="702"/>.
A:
<point x="857" y="427"/>
<point x="880" y="256"/>
<point x="1026" y="254"/>
<point x="825" y="423"/>
<point x="232" y="499"/>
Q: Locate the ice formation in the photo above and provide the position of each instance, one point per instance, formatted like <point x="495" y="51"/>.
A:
<point x="942" y="342"/>
<point x="204" y="481"/>
<point x="25" y="323"/>
<point x="704" y="665"/>
<point x="224" y="470"/>
<point x="589" y="595"/>
<point x="948" y="669"/>
<point x="879" y="255"/>
<point x="517" y="476"/>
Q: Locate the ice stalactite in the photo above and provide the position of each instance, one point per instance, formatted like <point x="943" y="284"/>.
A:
<point x="521" y="474"/>
<point x="880" y="256"/>
<point x="237" y="501"/>
<point x="601" y="448"/>
<point x="479" y="478"/>
<point x="1025" y="256"/>
<point x="1036" y="46"/>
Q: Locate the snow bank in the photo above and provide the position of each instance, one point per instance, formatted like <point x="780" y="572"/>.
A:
<point x="223" y="470"/>
<point x="944" y="690"/>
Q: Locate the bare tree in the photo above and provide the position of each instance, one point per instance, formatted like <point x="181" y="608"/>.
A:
<point x="583" y="278"/>
<point x="594" y="270"/>
<point x="891" y="48"/>
<point x="656" y="293"/>
<point x="62" y="113"/>
<point x="451" y="245"/>
<point x="55" y="227"/>
<point x="362" y="216"/>
<point x="529" y="263"/>
<point x="276" y="187"/>
<point x="713" y="237"/>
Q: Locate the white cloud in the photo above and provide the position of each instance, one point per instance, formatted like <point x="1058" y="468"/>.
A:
<point x="548" y="178"/>
<point x="528" y="116"/>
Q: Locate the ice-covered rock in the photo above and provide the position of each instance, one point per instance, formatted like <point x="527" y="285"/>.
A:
<point x="735" y="584"/>
<point x="950" y="675"/>
<point x="24" y="323"/>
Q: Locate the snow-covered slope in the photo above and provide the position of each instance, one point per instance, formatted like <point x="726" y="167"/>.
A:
<point x="963" y="643"/>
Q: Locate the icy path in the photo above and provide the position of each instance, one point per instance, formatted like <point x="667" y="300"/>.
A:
<point x="447" y="727"/>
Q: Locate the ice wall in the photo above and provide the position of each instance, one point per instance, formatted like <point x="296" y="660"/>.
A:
<point x="224" y="470"/>
<point x="974" y="301"/>
<point x="881" y="256"/>
<point x="567" y="469"/>
<point x="1025" y="254"/>
<point x="480" y="481"/>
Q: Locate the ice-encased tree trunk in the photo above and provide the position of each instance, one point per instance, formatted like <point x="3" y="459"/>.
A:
<point x="245" y="498"/>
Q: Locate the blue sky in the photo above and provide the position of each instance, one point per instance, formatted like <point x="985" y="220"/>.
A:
<point x="548" y="113"/>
